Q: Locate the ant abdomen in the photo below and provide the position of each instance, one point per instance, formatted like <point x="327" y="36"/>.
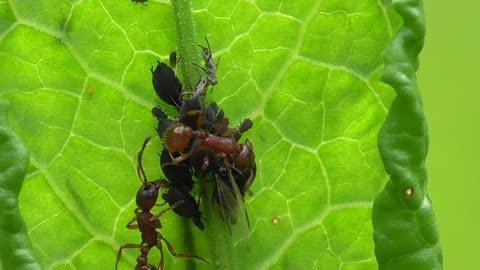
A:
<point x="245" y="159"/>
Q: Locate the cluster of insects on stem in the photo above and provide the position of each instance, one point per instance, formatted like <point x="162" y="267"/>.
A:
<point x="198" y="143"/>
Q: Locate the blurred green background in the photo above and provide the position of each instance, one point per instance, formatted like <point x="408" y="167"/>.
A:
<point x="449" y="79"/>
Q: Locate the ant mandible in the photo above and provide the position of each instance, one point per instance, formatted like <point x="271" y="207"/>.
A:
<point x="147" y="222"/>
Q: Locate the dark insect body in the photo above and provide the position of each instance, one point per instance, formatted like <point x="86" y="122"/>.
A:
<point x="200" y="143"/>
<point x="178" y="189"/>
<point x="232" y="165"/>
<point x="163" y="121"/>
<point x="188" y="209"/>
<point x="148" y="223"/>
<point x="180" y="174"/>
<point x="173" y="59"/>
<point x="167" y="85"/>
<point x="215" y="154"/>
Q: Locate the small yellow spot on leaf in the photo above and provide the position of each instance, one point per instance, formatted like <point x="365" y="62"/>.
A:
<point x="409" y="192"/>
<point x="275" y="220"/>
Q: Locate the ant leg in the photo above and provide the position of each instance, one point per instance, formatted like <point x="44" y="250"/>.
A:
<point x="177" y="160"/>
<point x="122" y="247"/>
<point x="178" y="106"/>
<point x="140" y="171"/>
<point x="157" y="216"/>
<point x="132" y="226"/>
<point x="198" y="66"/>
<point x="179" y="255"/>
<point x="231" y="132"/>
<point x="162" y="258"/>
<point x="161" y="204"/>
<point x="249" y="181"/>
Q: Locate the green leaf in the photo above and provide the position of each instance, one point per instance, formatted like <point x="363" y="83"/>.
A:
<point x="306" y="72"/>
<point x="15" y="250"/>
<point x="406" y="234"/>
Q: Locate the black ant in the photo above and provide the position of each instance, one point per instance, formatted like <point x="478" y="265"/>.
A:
<point x="147" y="222"/>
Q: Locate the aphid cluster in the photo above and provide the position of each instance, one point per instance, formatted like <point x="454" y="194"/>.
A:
<point x="198" y="143"/>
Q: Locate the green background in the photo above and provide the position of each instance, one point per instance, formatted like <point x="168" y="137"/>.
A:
<point x="449" y="79"/>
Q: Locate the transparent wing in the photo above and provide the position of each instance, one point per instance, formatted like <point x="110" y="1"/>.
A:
<point x="232" y="206"/>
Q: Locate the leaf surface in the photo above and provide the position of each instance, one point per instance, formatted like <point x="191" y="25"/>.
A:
<point x="306" y="72"/>
<point x="15" y="250"/>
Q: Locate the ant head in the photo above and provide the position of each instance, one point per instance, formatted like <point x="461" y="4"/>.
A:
<point x="177" y="137"/>
<point x="245" y="160"/>
<point x="148" y="193"/>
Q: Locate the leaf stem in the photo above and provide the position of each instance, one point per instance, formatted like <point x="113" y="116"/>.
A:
<point x="187" y="40"/>
<point x="220" y="241"/>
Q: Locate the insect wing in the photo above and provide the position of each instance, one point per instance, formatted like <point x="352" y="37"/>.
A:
<point x="232" y="207"/>
<point x="242" y="229"/>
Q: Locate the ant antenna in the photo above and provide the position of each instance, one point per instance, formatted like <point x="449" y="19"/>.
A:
<point x="140" y="171"/>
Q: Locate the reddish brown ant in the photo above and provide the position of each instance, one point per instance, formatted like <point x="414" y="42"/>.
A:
<point x="147" y="222"/>
<point x="178" y="137"/>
